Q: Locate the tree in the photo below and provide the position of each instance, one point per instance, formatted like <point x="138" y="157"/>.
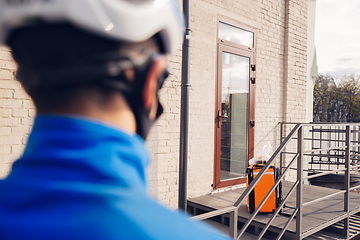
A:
<point x="322" y="94"/>
<point x="337" y="102"/>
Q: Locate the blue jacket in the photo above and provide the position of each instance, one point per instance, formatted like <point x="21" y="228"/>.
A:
<point x="82" y="179"/>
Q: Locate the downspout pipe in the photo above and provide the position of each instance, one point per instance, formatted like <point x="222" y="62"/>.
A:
<point x="184" y="114"/>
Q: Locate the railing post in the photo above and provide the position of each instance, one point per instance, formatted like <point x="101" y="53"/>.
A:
<point x="281" y="141"/>
<point x="347" y="182"/>
<point x="233" y="223"/>
<point x="299" y="190"/>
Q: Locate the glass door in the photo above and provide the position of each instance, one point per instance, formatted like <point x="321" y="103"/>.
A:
<point x="233" y="131"/>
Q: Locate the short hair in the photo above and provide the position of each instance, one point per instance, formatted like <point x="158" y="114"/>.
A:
<point x="64" y="45"/>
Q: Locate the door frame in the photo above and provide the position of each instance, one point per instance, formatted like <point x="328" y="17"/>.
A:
<point x="224" y="46"/>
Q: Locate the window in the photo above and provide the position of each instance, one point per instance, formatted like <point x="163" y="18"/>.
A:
<point x="236" y="35"/>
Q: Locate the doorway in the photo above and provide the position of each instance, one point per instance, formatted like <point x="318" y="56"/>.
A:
<point x="234" y="118"/>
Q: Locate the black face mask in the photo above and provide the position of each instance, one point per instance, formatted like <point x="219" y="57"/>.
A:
<point x="136" y="101"/>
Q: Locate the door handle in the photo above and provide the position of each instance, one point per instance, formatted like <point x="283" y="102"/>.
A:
<point x="219" y="117"/>
<point x="252" y="123"/>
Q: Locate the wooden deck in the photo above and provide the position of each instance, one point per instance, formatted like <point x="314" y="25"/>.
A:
<point x="316" y="216"/>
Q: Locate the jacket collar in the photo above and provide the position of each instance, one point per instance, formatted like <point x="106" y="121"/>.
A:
<point x="71" y="147"/>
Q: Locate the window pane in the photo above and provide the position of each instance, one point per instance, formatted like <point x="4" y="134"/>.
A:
<point x="236" y="35"/>
<point x="235" y="109"/>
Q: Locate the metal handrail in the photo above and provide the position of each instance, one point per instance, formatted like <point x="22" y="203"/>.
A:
<point x="278" y="210"/>
<point x="347" y="148"/>
<point x="324" y="149"/>
<point x="288" y="153"/>
<point x="265" y="167"/>
<point x="299" y="155"/>
<point x="324" y="173"/>
<point x="243" y="229"/>
<point x="249" y="188"/>
<point x="353" y="188"/>
<point x="287" y="224"/>
<point x="324" y="124"/>
<point x="327" y="172"/>
<point x="258" y="177"/>
<point x="214" y="213"/>
<point x="323" y="198"/>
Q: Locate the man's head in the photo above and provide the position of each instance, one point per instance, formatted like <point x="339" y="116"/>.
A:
<point x="63" y="46"/>
<point x="73" y="64"/>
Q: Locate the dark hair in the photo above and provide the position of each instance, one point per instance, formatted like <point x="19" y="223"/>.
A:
<point x="61" y="45"/>
<point x="56" y="45"/>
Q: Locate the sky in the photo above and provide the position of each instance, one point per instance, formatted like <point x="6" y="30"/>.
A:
<point x="337" y="37"/>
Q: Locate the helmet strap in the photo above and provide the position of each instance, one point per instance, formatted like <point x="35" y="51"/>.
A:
<point x="111" y="74"/>
<point x="136" y="101"/>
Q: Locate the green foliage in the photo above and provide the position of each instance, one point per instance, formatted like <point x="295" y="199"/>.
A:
<point x="337" y="102"/>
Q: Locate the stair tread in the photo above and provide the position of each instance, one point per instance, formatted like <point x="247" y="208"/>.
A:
<point x="325" y="235"/>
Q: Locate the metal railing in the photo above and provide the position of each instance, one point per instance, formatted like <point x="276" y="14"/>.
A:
<point x="330" y="138"/>
<point x="297" y="133"/>
<point x="233" y="210"/>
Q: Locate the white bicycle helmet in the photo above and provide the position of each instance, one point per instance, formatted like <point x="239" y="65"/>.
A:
<point x="123" y="20"/>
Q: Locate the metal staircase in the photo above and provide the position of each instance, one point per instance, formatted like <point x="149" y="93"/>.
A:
<point x="302" y="152"/>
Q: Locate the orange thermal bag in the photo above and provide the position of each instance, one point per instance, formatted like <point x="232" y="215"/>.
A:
<point x="262" y="188"/>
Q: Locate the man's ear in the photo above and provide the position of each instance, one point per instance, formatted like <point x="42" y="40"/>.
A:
<point x="149" y="91"/>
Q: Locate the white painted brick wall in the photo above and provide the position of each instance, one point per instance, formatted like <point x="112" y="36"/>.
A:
<point x="277" y="100"/>
<point x="280" y="92"/>
<point x="16" y="114"/>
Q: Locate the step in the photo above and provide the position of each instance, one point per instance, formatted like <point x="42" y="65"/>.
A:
<point x="337" y="228"/>
<point x="326" y="234"/>
<point x="316" y="217"/>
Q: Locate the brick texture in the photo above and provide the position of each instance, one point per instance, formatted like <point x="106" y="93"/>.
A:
<point x="16" y="114"/>
<point x="281" y="40"/>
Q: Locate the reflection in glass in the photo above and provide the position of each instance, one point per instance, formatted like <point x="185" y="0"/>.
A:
<point x="236" y="35"/>
<point x="235" y="106"/>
